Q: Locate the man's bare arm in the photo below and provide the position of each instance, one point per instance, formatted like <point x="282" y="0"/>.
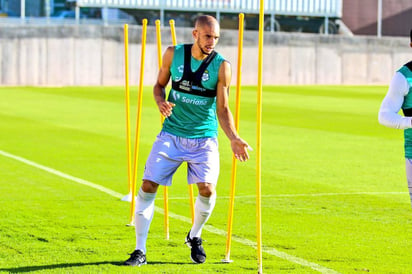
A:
<point x="239" y="146"/>
<point x="163" y="77"/>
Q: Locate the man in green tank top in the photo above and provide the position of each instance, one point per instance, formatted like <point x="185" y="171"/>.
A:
<point x="399" y="96"/>
<point x="197" y="102"/>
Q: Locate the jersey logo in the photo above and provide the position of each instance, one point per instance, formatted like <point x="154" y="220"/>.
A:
<point x="180" y="69"/>
<point x="192" y="101"/>
<point x="185" y="85"/>
<point x="205" y="76"/>
<point x="176" y="96"/>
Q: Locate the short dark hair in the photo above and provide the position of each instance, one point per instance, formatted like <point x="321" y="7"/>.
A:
<point x="411" y="35"/>
<point x="205" y="20"/>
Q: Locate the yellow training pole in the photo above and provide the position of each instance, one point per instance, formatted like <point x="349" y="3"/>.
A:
<point x="237" y="115"/>
<point x="173" y="31"/>
<point x="127" y="95"/>
<point x="159" y="44"/>
<point x="165" y="192"/>
<point x="139" y="112"/>
<point x="258" y="140"/>
<point x="191" y="202"/>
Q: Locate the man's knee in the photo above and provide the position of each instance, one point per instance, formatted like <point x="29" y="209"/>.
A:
<point x="206" y="190"/>
<point x="149" y="186"/>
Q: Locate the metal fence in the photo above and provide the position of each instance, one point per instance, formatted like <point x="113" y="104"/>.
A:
<point x="281" y="15"/>
<point x="321" y="8"/>
<point x="45" y="21"/>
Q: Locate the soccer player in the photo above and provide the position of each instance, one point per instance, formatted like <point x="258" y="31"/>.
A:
<point x="197" y="100"/>
<point x="399" y="96"/>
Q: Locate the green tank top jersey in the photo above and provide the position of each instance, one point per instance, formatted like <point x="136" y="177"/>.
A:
<point x="194" y="114"/>
<point x="406" y="71"/>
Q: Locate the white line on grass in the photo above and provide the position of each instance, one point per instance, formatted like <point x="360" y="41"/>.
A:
<point x="61" y="174"/>
<point x="268" y="250"/>
<point x="301" y="195"/>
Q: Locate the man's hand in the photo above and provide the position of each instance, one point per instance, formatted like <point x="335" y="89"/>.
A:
<point x="165" y="108"/>
<point x="239" y="148"/>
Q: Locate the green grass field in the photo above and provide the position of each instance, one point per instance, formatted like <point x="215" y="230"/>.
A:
<point x="334" y="193"/>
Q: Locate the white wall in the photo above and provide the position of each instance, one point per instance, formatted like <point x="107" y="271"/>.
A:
<point x="94" y="55"/>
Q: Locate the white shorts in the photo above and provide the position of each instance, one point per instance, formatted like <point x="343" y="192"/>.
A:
<point x="170" y="151"/>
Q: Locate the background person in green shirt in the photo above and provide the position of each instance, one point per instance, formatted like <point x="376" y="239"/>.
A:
<point x="399" y="96"/>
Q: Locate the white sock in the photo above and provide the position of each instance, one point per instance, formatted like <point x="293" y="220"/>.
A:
<point x="143" y="217"/>
<point x="203" y="209"/>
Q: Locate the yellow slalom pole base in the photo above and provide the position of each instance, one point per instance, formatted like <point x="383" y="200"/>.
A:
<point x="227" y="260"/>
<point x="127" y="198"/>
<point x="132" y="215"/>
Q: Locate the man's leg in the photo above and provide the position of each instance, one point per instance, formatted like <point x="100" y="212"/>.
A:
<point x="205" y="202"/>
<point x="144" y="212"/>
<point x="143" y="218"/>
<point x="203" y="169"/>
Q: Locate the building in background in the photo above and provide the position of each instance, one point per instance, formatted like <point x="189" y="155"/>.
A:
<point x="33" y="8"/>
<point x="280" y="15"/>
<point x="36" y="8"/>
<point x="361" y="17"/>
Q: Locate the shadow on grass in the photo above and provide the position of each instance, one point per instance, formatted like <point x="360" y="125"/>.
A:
<point x="53" y="266"/>
<point x="66" y="265"/>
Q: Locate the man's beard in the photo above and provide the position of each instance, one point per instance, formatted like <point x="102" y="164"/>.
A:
<point x="205" y="53"/>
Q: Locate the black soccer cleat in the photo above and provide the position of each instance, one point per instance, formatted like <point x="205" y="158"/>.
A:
<point x="197" y="254"/>
<point x="137" y="258"/>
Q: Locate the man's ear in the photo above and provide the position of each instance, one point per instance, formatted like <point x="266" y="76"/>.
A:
<point x="194" y="33"/>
